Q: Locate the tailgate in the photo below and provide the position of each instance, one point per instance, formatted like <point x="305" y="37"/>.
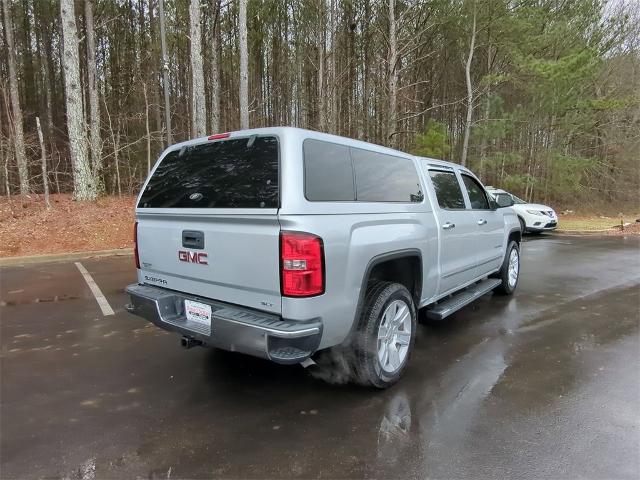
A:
<point x="208" y="220"/>
<point x="237" y="261"/>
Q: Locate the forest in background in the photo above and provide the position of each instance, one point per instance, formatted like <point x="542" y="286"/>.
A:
<point x="541" y="97"/>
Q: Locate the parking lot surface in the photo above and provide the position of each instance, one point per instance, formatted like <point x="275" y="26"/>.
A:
<point x="544" y="384"/>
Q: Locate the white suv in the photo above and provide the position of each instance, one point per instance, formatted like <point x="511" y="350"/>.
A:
<point x="534" y="217"/>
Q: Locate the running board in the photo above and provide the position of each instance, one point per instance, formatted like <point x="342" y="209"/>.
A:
<point x="444" y="308"/>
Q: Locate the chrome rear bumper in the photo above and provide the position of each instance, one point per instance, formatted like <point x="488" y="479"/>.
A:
<point x="233" y="328"/>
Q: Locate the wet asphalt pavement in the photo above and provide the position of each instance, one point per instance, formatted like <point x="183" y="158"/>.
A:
<point x="544" y="384"/>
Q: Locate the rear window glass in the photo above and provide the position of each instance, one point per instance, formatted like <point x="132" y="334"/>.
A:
<point x="236" y="173"/>
<point x="328" y="174"/>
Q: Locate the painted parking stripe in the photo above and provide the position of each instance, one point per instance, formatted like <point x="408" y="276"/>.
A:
<point x="95" y="289"/>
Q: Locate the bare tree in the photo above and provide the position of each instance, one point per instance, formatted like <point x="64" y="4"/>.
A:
<point x="198" y="104"/>
<point x="244" y="67"/>
<point x="392" y="79"/>
<point x="320" y="45"/>
<point x="165" y="73"/>
<point x="467" y="73"/>
<point x="214" y="41"/>
<point x="333" y="74"/>
<point x="115" y="142"/>
<point x="146" y="125"/>
<point x="43" y="158"/>
<point x="84" y="184"/>
<point x="18" y="132"/>
<point x="95" y="143"/>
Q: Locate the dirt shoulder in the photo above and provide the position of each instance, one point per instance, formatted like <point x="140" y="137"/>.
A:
<point x="28" y="228"/>
<point x="602" y="225"/>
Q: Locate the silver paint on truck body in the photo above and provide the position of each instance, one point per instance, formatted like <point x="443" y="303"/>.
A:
<point x="243" y="244"/>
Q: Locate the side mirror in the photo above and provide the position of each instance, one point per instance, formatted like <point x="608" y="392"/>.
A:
<point x="504" y="200"/>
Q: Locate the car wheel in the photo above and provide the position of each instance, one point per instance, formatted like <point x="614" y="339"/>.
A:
<point x="385" y="335"/>
<point x="510" y="270"/>
<point x="523" y="226"/>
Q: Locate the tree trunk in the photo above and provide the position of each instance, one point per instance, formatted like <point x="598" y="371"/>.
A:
<point x="165" y="74"/>
<point x="43" y="157"/>
<point x="84" y="184"/>
<point x="333" y="90"/>
<point x="393" y="76"/>
<point x="322" y="102"/>
<point x="198" y="103"/>
<point x="18" y="132"/>
<point x="244" y="67"/>
<point x="146" y="124"/>
<point x="467" y="72"/>
<point x="155" y="67"/>
<point x="95" y="143"/>
<point x="214" y="41"/>
<point x="44" y="67"/>
<point x="487" y="113"/>
<point x="366" y="68"/>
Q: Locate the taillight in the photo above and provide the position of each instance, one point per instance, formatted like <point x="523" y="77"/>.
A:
<point x="301" y="264"/>
<point x="135" y="244"/>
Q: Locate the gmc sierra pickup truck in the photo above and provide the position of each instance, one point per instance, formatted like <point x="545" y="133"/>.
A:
<point x="282" y="242"/>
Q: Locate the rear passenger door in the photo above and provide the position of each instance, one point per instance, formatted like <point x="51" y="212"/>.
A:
<point x="489" y="246"/>
<point x="458" y="228"/>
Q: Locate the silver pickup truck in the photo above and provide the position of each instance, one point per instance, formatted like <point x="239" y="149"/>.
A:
<point x="282" y="243"/>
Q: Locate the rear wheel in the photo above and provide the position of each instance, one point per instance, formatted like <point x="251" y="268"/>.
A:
<point x="386" y="334"/>
<point x="510" y="270"/>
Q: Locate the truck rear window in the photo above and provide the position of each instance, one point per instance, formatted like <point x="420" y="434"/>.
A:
<point x="235" y="173"/>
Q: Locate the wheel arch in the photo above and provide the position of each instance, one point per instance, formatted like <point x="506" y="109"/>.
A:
<point x="397" y="257"/>
<point x="514" y="234"/>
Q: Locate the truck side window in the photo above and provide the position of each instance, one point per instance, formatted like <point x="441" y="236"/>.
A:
<point x="447" y="189"/>
<point x="476" y="193"/>
<point x="328" y="172"/>
<point x="385" y="178"/>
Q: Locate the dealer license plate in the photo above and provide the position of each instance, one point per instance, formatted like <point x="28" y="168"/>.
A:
<point x="199" y="313"/>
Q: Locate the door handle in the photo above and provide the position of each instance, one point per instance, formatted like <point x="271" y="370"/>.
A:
<point x="482" y="222"/>
<point x="448" y="226"/>
<point x="193" y="239"/>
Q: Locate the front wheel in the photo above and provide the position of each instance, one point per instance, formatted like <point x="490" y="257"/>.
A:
<point x="510" y="270"/>
<point x="386" y="334"/>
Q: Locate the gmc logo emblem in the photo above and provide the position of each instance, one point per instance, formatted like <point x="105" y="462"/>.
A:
<point x="193" y="257"/>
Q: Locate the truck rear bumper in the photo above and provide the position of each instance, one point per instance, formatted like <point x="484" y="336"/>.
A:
<point x="233" y="328"/>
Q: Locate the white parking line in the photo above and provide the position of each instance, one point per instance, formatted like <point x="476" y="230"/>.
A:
<point x="95" y="289"/>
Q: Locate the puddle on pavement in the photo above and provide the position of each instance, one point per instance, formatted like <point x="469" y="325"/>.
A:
<point x="27" y="301"/>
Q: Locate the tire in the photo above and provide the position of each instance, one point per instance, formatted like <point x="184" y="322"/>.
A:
<point x="389" y="309"/>
<point x="509" y="284"/>
<point x="523" y="226"/>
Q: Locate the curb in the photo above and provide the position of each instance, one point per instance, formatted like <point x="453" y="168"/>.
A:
<point x="593" y="233"/>
<point x="62" y="257"/>
<point x="583" y="232"/>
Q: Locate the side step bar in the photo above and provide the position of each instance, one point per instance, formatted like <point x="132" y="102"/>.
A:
<point x="444" y="308"/>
